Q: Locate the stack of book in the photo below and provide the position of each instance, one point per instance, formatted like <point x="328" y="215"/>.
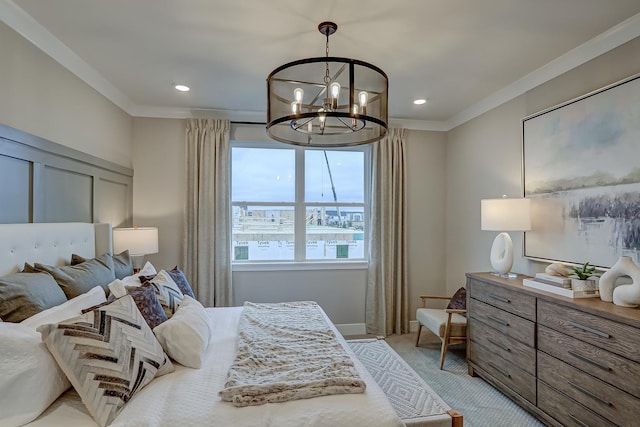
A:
<point x="562" y="282"/>
<point x="557" y="285"/>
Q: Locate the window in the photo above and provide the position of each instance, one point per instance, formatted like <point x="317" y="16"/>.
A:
<point x="298" y="204"/>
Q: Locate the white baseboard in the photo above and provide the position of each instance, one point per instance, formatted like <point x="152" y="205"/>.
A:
<point x="360" y="328"/>
<point x="352" y="329"/>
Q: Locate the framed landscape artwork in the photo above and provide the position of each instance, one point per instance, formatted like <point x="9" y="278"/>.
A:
<point x="581" y="170"/>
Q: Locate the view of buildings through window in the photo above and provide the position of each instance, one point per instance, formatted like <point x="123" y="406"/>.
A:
<point x="295" y="204"/>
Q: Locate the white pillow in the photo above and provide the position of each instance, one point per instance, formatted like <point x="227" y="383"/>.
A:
<point x="30" y="379"/>
<point x="185" y="336"/>
<point x="71" y="308"/>
<point x="117" y="287"/>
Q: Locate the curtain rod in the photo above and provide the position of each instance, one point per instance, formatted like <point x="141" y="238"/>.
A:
<point x="248" y="123"/>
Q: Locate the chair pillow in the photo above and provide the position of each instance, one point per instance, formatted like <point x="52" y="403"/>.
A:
<point x="78" y="279"/>
<point x="108" y="354"/>
<point x="30" y="379"/>
<point x="122" y="264"/>
<point x="185" y="337"/>
<point x="24" y="294"/>
<point x="459" y="300"/>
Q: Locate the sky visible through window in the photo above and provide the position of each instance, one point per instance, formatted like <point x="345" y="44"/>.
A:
<point x="268" y="175"/>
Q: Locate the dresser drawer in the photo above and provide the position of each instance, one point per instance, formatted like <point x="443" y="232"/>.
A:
<point x="618" y="407"/>
<point x="506" y="299"/>
<point x="566" y="410"/>
<point x="521" y="355"/>
<point x="506" y="323"/>
<point x="611" y="368"/>
<point x="504" y="371"/>
<point x="613" y="336"/>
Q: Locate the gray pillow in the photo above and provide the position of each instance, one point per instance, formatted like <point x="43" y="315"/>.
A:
<point x="121" y="263"/>
<point x="24" y="294"/>
<point x="78" y="279"/>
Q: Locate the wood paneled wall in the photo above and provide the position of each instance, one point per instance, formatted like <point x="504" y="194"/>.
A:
<point x="42" y="181"/>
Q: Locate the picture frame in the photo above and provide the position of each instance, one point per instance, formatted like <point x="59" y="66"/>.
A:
<point x="581" y="170"/>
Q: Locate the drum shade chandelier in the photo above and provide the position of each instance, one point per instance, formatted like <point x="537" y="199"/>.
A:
<point x="327" y="101"/>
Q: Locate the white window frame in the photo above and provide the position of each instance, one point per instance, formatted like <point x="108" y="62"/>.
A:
<point x="300" y="262"/>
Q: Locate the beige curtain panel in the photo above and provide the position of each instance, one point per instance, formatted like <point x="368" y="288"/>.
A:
<point x="387" y="301"/>
<point x="207" y="233"/>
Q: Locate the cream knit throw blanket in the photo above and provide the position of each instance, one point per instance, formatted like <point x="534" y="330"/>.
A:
<point x="287" y="351"/>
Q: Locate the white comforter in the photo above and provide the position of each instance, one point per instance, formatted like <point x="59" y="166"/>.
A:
<point x="189" y="397"/>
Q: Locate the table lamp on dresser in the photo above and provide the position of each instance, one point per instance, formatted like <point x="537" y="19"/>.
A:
<point x="504" y="215"/>
<point x="140" y="241"/>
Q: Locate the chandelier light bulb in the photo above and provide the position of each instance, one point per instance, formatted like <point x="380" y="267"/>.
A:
<point x="295" y="107"/>
<point x="322" y="117"/>
<point x="335" y="90"/>
<point x="363" y="98"/>
<point x="310" y="126"/>
<point x="298" y="94"/>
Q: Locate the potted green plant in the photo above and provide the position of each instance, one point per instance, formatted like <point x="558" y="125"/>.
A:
<point x="582" y="278"/>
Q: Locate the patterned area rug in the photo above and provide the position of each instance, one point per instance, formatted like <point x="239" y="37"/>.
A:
<point x="480" y="403"/>
<point x="413" y="400"/>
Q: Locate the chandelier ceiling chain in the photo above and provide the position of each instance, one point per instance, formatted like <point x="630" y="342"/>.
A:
<point x="307" y="110"/>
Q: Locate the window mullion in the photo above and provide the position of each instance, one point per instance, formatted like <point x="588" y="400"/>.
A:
<point x="300" y="210"/>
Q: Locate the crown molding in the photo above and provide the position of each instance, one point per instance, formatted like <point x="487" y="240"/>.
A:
<point x="625" y="31"/>
<point x="21" y="22"/>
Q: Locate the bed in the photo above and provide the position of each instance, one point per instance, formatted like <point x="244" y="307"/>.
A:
<point x="186" y="396"/>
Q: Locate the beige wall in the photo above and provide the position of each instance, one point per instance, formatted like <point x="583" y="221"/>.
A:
<point x="39" y="96"/>
<point x="159" y="184"/>
<point x="484" y="160"/>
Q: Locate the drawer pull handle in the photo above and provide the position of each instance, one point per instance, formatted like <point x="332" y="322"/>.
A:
<point x="578" y="421"/>
<point x="588" y="393"/>
<point x="506" y="374"/>
<point x="586" y="359"/>
<point x="588" y="329"/>
<point x="497" y="344"/>
<point x="499" y="298"/>
<point x="500" y="321"/>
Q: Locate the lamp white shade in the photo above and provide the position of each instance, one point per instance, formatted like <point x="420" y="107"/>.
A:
<point x="505" y="214"/>
<point x="138" y="240"/>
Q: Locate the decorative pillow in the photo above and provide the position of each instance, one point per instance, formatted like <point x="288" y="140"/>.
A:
<point x="178" y="276"/>
<point x="122" y="264"/>
<point x="459" y="300"/>
<point x="30" y="379"/>
<point x="148" y="304"/>
<point x="185" y="337"/>
<point x="108" y="354"/>
<point x="167" y="291"/>
<point x="78" y="279"/>
<point x="24" y="294"/>
<point x="71" y="308"/>
<point x="117" y="287"/>
<point x="28" y="268"/>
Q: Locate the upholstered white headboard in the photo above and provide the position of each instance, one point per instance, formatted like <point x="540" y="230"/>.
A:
<point x="50" y="243"/>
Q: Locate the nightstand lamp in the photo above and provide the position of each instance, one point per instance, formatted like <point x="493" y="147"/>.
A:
<point x="140" y="241"/>
<point x="504" y="215"/>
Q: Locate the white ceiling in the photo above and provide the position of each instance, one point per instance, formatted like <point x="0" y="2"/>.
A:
<point x="464" y="56"/>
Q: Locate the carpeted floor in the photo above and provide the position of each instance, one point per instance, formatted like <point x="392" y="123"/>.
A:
<point x="480" y="403"/>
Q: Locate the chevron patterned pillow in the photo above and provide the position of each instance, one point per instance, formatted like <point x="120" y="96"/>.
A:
<point x="167" y="291"/>
<point x="108" y="354"/>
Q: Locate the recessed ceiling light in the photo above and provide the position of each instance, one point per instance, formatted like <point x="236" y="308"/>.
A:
<point x="182" y="88"/>
<point x="420" y="101"/>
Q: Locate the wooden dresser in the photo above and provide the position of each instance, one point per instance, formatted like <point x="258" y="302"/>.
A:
<point x="570" y="362"/>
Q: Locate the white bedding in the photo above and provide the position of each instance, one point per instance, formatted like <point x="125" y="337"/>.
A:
<point x="189" y="397"/>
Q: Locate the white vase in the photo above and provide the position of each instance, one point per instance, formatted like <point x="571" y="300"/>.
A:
<point x="624" y="295"/>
